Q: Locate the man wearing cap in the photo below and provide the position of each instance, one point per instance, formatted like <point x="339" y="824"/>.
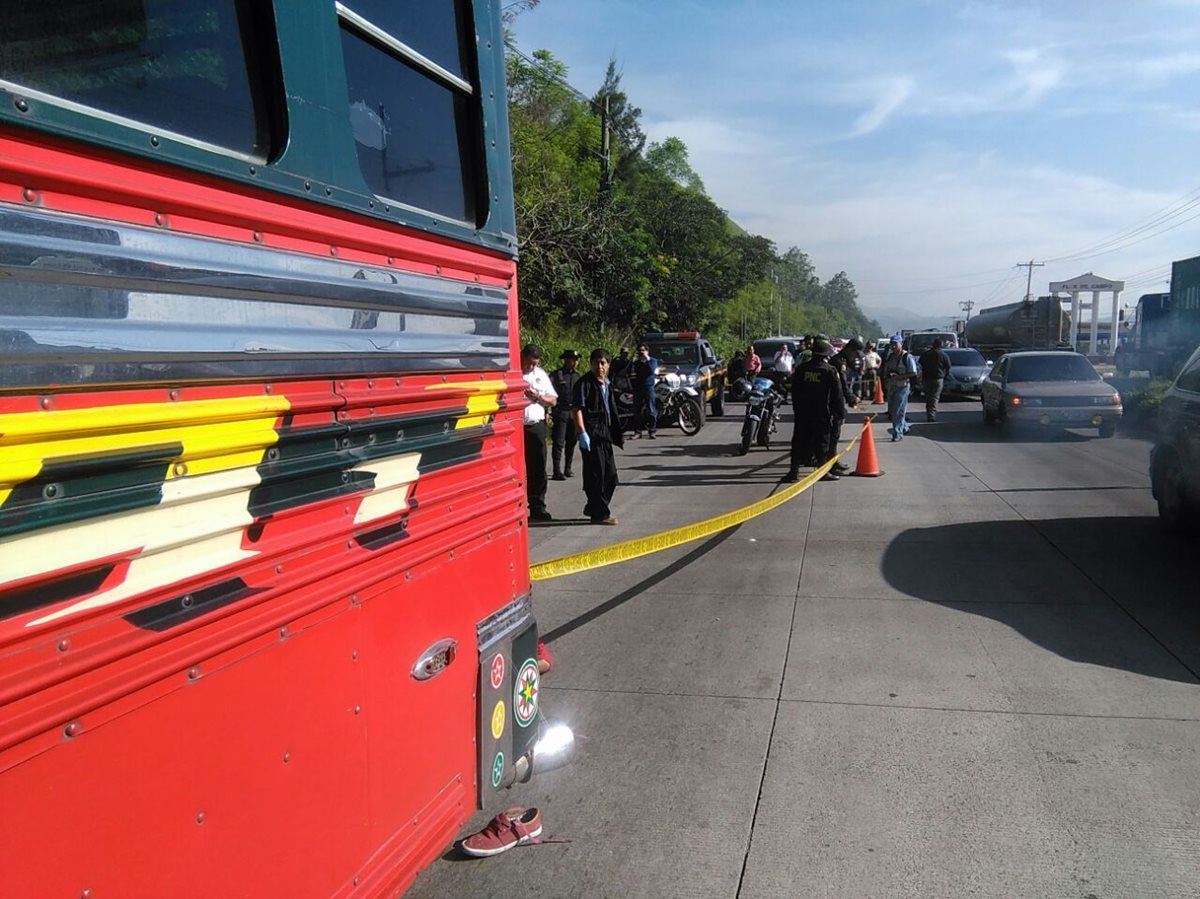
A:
<point x="564" y="378"/>
<point x="817" y="400"/>
<point x="540" y="393"/>
<point x="599" y="427"/>
<point x="899" y="371"/>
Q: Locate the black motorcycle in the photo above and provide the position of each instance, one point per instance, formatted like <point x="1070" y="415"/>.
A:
<point x="763" y="401"/>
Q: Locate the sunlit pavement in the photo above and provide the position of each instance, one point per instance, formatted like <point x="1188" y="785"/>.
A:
<point x="973" y="676"/>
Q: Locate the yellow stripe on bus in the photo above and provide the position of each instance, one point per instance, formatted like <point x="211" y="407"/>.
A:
<point x="480" y="407"/>
<point x="216" y="435"/>
<point x="644" y="546"/>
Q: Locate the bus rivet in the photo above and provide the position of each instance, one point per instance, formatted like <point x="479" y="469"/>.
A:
<point x="391" y="260"/>
<point x="333" y="251"/>
<point x="438" y="269"/>
<point x="159" y="218"/>
<point x="354" y="656"/>
<point x="283" y="632"/>
<point x="370" y="204"/>
<point x="187" y="601"/>
<point x="279" y="569"/>
<point x="47" y="402"/>
<point x="180" y="469"/>
<point x="358" y="710"/>
<point x="308" y="185"/>
<point x="153" y="141"/>
<point x="50" y="491"/>
<point x="354" y="598"/>
<point x="87" y="894"/>
<point x="173" y="395"/>
<point x="258" y="237"/>
<point x="267" y="388"/>
<point x="329" y="191"/>
<point x="72" y="729"/>
<point x="22" y="104"/>
<point x="356" y="880"/>
<point x="253" y="170"/>
<point x="273" y="453"/>
<point x="370" y="385"/>
<point x="199" y="817"/>
<point x="64" y="645"/>
<point x="194" y="673"/>
<point x="29" y="194"/>
<point x="287" y="757"/>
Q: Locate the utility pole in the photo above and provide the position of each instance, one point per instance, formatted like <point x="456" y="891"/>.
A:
<point x="1031" y="265"/>
<point x="967" y="306"/>
<point x="779" y="297"/>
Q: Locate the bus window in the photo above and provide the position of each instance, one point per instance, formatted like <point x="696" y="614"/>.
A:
<point x="412" y="109"/>
<point x="178" y="65"/>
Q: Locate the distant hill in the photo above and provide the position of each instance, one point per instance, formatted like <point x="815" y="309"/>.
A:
<point x="894" y="319"/>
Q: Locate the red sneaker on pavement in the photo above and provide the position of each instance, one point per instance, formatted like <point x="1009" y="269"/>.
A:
<point x="510" y="828"/>
<point x="545" y="659"/>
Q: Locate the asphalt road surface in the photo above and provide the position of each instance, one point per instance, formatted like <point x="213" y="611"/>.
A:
<point x="973" y="676"/>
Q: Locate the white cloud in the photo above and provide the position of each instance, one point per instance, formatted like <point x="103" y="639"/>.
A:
<point x="889" y="96"/>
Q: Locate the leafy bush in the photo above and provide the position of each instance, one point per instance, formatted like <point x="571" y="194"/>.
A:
<point x="1142" y="400"/>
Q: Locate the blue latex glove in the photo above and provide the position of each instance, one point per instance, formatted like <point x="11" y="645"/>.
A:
<point x="585" y="441"/>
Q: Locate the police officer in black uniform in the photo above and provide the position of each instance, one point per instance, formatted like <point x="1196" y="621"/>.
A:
<point x="818" y="399"/>
<point x="564" y="378"/>
<point x="844" y="362"/>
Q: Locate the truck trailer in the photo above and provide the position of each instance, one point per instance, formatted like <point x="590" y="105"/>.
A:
<point x="1168" y="325"/>
<point x="1040" y="324"/>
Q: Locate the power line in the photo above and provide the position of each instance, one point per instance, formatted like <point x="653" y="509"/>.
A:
<point x="1120" y="240"/>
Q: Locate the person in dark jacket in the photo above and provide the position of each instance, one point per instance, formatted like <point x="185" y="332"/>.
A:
<point x="935" y="366"/>
<point x="818" y="399"/>
<point x="844" y="363"/>
<point x="564" y="378"/>
<point x="599" y="428"/>
<point x="645" y="377"/>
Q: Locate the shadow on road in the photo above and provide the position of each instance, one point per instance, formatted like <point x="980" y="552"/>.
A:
<point x="973" y="430"/>
<point x="1151" y="577"/>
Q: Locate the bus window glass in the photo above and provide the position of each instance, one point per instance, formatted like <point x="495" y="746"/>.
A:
<point x="176" y="65"/>
<point x="432" y="28"/>
<point x="414" y="135"/>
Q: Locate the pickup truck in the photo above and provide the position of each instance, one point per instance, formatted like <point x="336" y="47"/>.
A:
<point x="693" y="358"/>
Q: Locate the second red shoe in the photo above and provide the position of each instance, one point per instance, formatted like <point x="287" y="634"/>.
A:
<point x="512" y="827"/>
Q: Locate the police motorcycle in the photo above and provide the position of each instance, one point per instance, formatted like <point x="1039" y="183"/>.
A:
<point x="678" y="402"/>
<point x="763" y="402"/>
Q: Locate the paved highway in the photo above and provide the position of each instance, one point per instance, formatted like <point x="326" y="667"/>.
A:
<point x="974" y="676"/>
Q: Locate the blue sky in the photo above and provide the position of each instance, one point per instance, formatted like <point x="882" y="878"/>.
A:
<point x="922" y="146"/>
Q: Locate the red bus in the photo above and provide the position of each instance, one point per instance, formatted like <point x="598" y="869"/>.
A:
<point x="265" y="625"/>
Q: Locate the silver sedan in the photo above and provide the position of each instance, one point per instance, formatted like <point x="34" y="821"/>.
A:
<point x="1050" y="389"/>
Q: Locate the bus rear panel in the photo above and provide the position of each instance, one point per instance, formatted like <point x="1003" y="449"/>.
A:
<point x="264" y="593"/>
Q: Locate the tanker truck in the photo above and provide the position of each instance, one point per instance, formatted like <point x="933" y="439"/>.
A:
<point x="1039" y="324"/>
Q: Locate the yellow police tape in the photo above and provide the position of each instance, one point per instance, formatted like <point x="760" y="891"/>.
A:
<point x="652" y="543"/>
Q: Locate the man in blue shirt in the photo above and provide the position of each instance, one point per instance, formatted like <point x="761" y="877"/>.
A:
<point x="645" y="377"/>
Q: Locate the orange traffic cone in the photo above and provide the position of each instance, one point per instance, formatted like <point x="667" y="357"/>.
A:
<point x="868" y="465"/>
<point x="878" y="391"/>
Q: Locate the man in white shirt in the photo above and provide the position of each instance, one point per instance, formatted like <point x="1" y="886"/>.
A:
<point x="783" y="366"/>
<point x="540" y="393"/>
<point x="871" y="363"/>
